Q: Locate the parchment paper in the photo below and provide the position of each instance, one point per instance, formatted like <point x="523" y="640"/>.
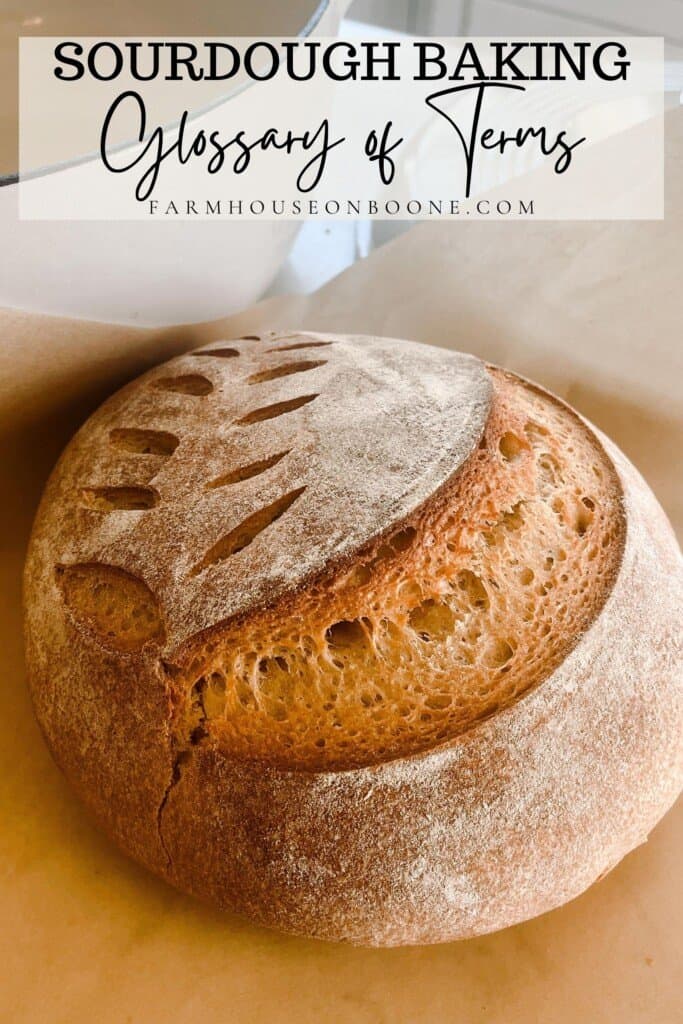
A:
<point x="590" y="310"/>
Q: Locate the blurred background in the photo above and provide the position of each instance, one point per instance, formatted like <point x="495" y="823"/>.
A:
<point x="174" y="272"/>
<point x="529" y="18"/>
<point x="324" y="249"/>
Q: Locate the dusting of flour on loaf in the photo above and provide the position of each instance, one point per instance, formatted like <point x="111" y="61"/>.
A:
<point x="384" y="424"/>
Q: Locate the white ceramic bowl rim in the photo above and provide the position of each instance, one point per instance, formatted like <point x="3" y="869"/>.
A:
<point x="12" y="179"/>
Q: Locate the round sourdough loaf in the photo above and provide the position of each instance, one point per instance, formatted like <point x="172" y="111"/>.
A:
<point x="364" y="639"/>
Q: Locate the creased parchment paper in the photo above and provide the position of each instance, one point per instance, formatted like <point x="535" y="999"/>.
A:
<point x="590" y="310"/>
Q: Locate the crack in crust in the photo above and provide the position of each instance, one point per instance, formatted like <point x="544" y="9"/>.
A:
<point x="181" y="748"/>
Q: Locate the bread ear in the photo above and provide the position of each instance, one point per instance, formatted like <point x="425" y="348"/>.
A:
<point x="114" y="605"/>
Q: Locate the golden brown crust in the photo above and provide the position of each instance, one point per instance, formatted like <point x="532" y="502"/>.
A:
<point x="439" y="622"/>
<point x="516" y="814"/>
